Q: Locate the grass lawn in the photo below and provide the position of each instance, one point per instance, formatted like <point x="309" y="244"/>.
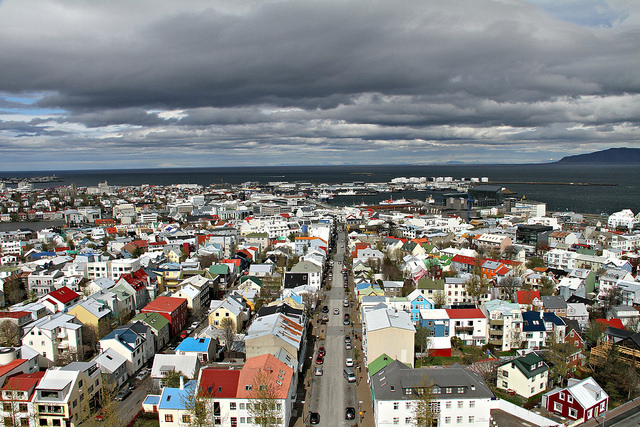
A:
<point x="439" y="361"/>
<point x="147" y="421"/>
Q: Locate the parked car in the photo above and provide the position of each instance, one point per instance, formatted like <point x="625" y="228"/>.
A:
<point x="325" y="309"/>
<point x="349" y="362"/>
<point x="347" y="338"/>
<point x="336" y="311"/>
<point x="319" y="360"/>
<point x="322" y="351"/>
<point x="131" y="386"/>
<point x="194" y="325"/>
<point x="184" y="334"/>
<point x="350" y="413"/>
<point x="348" y="346"/>
<point x="314" y="418"/>
<point x="318" y="372"/>
<point x="122" y="394"/>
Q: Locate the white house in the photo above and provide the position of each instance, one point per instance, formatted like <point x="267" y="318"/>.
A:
<point x="55" y="337"/>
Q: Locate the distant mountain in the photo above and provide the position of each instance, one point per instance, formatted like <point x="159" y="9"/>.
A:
<point x="612" y="155"/>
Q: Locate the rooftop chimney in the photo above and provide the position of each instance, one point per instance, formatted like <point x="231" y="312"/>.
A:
<point x="181" y="382"/>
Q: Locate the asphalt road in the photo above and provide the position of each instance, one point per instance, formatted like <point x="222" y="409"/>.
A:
<point x="331" y="393"/>
<point x="129" y="407"/>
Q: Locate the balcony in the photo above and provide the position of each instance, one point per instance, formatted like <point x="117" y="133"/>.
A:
<point x="495" y="342"/>
<point x="493" y="322"/>
<point x="496" y="332"/>
<point x="464" y="329"/>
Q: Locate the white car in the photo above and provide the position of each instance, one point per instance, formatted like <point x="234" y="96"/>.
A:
<point x="194" y="325"/>
<point x="318" y="372"/>
<point x="336" y="311"/>
<point x="349" y="362"/>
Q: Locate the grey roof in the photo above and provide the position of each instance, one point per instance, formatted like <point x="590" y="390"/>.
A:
<point x="553" y="302"/>
<point x="391" y="382"/>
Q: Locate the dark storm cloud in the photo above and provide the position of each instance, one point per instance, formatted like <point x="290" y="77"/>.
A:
<point x="289" y="75"/>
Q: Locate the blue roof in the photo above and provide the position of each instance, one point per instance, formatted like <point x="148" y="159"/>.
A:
<point x="194" y="345"/>
<point x="152" y="399"/>
<point x="553" y="318"/>
<point x="174" y="398"/>
<point x="363" y="285"/>
<point x="532" y="322"/>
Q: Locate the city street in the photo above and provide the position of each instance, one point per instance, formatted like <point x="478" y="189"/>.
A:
<point x="331" y="393"/>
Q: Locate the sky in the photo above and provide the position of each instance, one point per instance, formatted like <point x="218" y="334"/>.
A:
<point x="153" y="83"/>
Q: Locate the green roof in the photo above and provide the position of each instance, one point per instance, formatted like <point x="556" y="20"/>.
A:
<point x="378" y="364"/>
<point x="585" y="251"/>
<point x="257" y="235"/>
<point x="426" y="283"/>
<point x="219" y="269"/>
<point x="254" y="279"/>
<point x="154" y="320"/>
<point x="525" y="364"/>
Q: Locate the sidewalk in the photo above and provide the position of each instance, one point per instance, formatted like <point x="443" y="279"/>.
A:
<point x="363" y="390"/>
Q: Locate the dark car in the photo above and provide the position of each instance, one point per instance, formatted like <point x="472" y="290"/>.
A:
<point x="350" y="413"/>
<point x="325" y="309"/>
<point x="122" y="394"/>
<point x="314" y="418"/>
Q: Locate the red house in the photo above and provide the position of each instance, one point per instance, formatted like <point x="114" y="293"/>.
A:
<point x="580" y="400"/>
<point x="172" y="309"/>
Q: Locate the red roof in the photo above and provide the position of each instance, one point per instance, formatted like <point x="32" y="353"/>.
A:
<point x="13" y="314"/>
<point x="137" y="279"/>
<point x="165" y="304"/>
<point x="5" y="369"/>
<point x="526" y="297"/>
<point x="464" y="259"/>
<point x="64" y="295"/>
<point x="237" y="262"/>
<point x="221" y="383"/>
<point x="24" y="382"/>
<point x="465" y="313"/>
<point x="614" y="323"/>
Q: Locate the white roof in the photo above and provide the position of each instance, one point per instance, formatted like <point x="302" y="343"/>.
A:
<point x="387" y="318"/>
<point x="184" y="363"/>
<point x="110" y="360"/>
<point x="587" y="392"/>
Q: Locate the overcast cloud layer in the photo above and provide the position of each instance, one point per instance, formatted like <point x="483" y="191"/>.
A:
<point x="121" y="84"/>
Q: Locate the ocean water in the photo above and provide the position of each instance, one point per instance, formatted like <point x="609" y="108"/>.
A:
<point x="587" y="199"/>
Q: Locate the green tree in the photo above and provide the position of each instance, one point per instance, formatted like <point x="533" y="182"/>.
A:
<point x="548" y="287"/>
<point x="534" y="262"/>
<point x="171" y="379"/>
<point x="559" y="359"/>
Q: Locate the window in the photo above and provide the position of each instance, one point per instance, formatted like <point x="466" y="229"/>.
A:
<point x="447" y="405"/>
<point x="589" y="413"/>
<point x="573" y="413"/>
<point x="448" y="390"/>
<point x="569" y="398"/>
<point x="168" y="418"/>
<point x="7" y="408"/>
<point x="396" y="421"/>
<point x="242" y="406"/>
<point x="459" y="419"/>
<point x="22" y="407"/>
<point x="407" y="420"/>
<point x="55" y="422"/>
<point x="460" y="404"/>
<point x="447" y="420"/>
<point x="396" y="405"/>
<point x="471" y="419"/>
<point x="186" y="419"/>
<point x="472" y="404"/>
<point x="561" y="396"/>
<point x="460" y="390"/>
<point x="232" y="406"/>
<point x="407" y="405"/>
<point x="557" y="407"/>
<point x="43" y="422"/>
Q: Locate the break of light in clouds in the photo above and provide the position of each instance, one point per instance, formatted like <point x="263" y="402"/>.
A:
<point x="203" y="83"/>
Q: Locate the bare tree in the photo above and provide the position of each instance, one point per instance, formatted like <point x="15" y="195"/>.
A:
<point x="612" y="297"/>
<point x="309" y="300"/>
<point x="424" y="414"/>
<point x="228" y="332"/>
<point x="510" y="285"/>
<point x="109" y="406"/>
<point x="198" y="406"/>
<point x="9" y="334"/>
<point x="263" y="405"/>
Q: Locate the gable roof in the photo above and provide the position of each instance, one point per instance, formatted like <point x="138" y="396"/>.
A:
<point x="527" y="297"/>
<point x="219" y="383"/>
<point x="530" y="365"/>
<point x="64" y="295"/>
